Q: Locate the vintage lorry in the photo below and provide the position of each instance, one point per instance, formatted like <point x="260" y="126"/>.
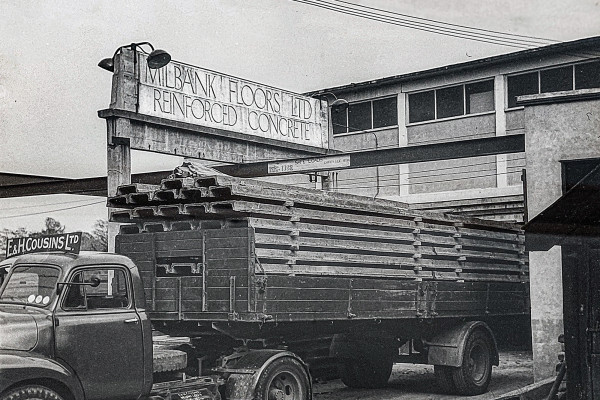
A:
<point x="257" y="284"/>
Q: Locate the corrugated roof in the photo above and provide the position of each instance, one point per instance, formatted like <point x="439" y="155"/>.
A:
<point x="574" y="46"/>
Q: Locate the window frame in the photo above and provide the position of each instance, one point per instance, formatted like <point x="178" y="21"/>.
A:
<point x="538" y="71"/>
<point x="82" y="269"/>
<point x="346" y="111"/>
<point x="465" y="114"/>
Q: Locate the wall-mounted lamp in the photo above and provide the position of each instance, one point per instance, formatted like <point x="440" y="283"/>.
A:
<point x="156" y="59"/>
<point x="337" y="104"/>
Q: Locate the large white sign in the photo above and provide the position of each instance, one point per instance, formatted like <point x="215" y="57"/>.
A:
<point x="202" y="97"/>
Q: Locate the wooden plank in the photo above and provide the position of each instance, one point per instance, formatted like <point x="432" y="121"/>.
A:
<point x="383" y="295"/>
<point x="385" y="273"/>
<point x="315" y="294"/>
<point x="179" y="244"/>
<point x="366" y="260"/>
<point x="179" y="253"/>
<point x="226" y="243"/>
<point x="228" y="264"/>
<point x="267" y="224"/>
<point x="220" y="253"/>
<point x="343" y="271"/>
<point x="375" y="306"/>
<point x="336" y="244"/>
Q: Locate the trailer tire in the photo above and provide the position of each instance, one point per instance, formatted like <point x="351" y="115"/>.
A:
<point x="443" y="376"/>
<point x="366" y="373"/>
<point x="284" y="378"/>
<point x="30" y="392"/>
<point x="474" y="375"/>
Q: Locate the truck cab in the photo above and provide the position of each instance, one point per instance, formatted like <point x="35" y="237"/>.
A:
<point x="74" y="326"/>
<point x="76" y="323"/>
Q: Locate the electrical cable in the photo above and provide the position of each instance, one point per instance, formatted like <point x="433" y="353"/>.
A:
<point x="393" y="177"/>
<point x="55" y="210"/>
<point x="469" y="33"/>
<point x="438" y="30"/>
<point x="448" y="23"/>
<point x="350" y="187"/>
<point x="46" y="205"/>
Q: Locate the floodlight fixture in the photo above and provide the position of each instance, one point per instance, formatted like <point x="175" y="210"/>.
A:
<point x="156" y="58"/>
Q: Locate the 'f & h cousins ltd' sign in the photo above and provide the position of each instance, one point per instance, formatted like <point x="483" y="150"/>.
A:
<point x="198" y="96"/>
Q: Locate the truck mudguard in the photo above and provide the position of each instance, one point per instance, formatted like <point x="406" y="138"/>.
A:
<point x="246" y="372"/>
<point x="18" y="366"/>
<point x="447" y="348"/>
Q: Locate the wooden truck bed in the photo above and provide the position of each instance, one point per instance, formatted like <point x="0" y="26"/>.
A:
<point x="230" y="249"/>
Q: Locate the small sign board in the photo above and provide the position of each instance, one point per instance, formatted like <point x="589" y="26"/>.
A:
<point x="309" y="164"/>
<point x="67" y="242"/>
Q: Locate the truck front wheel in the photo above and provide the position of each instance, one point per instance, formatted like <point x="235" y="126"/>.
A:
<point x="283" y="379"/>
<point x="475" y="373"/>
<point x="31" y="392"/>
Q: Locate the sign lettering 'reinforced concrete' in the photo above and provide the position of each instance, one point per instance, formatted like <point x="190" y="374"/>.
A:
<point x="202" y="97"/>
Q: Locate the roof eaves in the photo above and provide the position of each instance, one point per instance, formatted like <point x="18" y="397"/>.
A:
<point x="493" y="60"/>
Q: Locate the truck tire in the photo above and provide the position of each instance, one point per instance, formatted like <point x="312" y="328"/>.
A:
<point x="474" y="375"/>
<point x="283" y="379"/>
<point x="443" y="375"/>
<point x="366" y="373"/>
<point x="31" y="392"/>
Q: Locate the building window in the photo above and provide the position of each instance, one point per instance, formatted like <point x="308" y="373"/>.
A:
<point x="452" y="101"/>
<point x="359" y="116"/>
<point x="385" y="112"/>
<point x="421" y="106"/>
<point x="520" y="85"/>
<point x="479" y="97"/>
<point x="365" y="115"/>
<point x="587" y="75"/>
<point x="339" y="119"/>
<point x="556" y="79"/>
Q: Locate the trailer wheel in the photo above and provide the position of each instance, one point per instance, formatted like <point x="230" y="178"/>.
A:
<point x="31" y="392"/>
<point x="283" y="379"/>
<point x="475" y="373"/>
<point x="366" y="373"/>
<point x="443" y="375"/>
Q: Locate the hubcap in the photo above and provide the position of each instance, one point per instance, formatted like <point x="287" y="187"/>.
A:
<point x="285" y="386"/>
<point x="477" y="363"/>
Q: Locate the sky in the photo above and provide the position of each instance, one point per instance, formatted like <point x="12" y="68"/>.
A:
<point x="51" y="88"/>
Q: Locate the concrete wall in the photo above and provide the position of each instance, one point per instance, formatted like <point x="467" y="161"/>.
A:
<point x="563" y="126"/>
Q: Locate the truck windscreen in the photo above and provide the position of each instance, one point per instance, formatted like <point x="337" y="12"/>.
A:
<point x="32" y="285"/>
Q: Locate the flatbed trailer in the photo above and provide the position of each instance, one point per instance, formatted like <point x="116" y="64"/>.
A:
<point x="227" y="260"/>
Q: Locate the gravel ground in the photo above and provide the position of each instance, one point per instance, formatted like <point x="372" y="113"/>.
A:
<point x="417" y="382"/>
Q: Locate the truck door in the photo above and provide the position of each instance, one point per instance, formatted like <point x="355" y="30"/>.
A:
<point x="99" y="333"/>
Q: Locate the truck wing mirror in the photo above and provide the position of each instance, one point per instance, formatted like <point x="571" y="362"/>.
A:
<point x="94" y="282"/>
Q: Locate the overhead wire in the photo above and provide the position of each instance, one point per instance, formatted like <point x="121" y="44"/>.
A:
<point x="411" y="174"/>
<point x="46" y="204"/>
<point x="353" y="187"/>
<point x="442" y="28"/>
<point x="55" y="210"/>
<point x="454" y="32"/>
<point x="448" y="23"/>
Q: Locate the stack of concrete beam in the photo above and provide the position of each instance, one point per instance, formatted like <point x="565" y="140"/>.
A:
<point x="301" y="231"/>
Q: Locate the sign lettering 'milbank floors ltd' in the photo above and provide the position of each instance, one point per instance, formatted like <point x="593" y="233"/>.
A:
<point x="198" y="96"/>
